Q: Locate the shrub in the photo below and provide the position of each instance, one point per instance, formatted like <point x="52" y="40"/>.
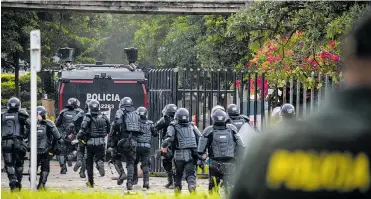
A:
<point x="8" y="89"/>
<point x="7" y="77"/>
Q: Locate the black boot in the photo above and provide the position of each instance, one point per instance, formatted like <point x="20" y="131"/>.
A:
<point x="170" y="182"/>
<point x="100" y="167"/>
<point x="191" y="188"/>
<point x="122" y="177"/>
<point x="146" y="184"/>
<point x="82" y="173"/>
<point x="14" y="186"/>
<point x="77" y="165"/>
<point x="42" y="180"/>
<point x="63" y="169"/>
<point x="90" y="184"/>
<point x="129" y="185"/>
<point x="178" y="189"/>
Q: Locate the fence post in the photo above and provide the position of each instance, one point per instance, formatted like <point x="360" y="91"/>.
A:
<point x="255" y="98"/>
<point x="262" y="117"/>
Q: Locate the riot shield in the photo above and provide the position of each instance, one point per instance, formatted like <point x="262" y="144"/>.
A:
<point x="247" y="133"/>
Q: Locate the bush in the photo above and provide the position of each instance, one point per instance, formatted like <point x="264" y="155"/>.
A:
<point x="25" y="194"/>
<point x="8" y="89"/>
<point x="5" y="77"/>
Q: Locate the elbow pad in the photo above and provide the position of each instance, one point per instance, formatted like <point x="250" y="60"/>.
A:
<point x="202" y="143"/>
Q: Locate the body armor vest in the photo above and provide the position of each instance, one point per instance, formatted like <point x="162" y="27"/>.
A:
<point x="10" y="126"/>
<point x="146" y="135"/>
<point x="68" y="117"/>
<point x="43" y="141"/>
<point x="185" y="136"/>
<point x="223" y="145"/>
<point x="238" y="122"/>
<point x="98" y="126"/>
<point x="132" y="121"/>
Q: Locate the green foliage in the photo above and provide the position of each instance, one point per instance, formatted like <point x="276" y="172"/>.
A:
<point x="25" y="194"/>
<point x="8" y="88"/>
<point x="150" y="35"/>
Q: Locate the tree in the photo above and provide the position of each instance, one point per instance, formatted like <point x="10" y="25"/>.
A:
<point x="15" y="32"/>
<point x="150" y="35"/>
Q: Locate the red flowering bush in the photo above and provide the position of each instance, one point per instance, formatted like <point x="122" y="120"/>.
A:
<point x="285" y="57"/>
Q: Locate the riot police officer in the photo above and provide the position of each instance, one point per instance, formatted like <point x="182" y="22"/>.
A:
<point x="144" y="146"/>
<point x="47" y="133"/>
<point x="183" y="136"/>
<point x="77" y="121"/>
<point x="222" y="142"/>
<point x="94" y="128"/>
<point x="237" y="119"/>
<point x="167" y="158"/>
<point x="126" y="129"/>
<point x="64" y="120"/>
<point x="288" y="112"/>
<point x="14" y="123"/>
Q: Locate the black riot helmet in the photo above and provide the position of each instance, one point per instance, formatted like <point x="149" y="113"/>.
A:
<point x="41" y="111"/>
<point x="126" y="102"/>
<point x="182" y="116"/>
<point x="287" y="111"/>
<point x="233" y="110"/>
<point x="217" y="107"/>
<point x="87" y="102"/>
<point x="72" y="103"/>
<point x="94" y="107"/>
<point x="14" y="104"/>
<point x="77" y="103"/>
<point x="142" y="112"/>
<point x="219" y="117"/>
<point x="171" y="109"/>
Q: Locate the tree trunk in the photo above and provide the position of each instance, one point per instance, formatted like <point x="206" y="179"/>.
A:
<point x="16" y="73"/>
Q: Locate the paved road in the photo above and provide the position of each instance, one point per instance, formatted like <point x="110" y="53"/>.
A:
<point x="72" y="181"/>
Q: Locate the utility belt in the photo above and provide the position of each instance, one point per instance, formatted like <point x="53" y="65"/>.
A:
<point x="96" y="141"/>
<point x="144" y="145"/>
<point x="223" y="167"/>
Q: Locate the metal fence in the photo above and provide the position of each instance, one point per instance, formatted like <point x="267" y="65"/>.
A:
<point x="199" y="90"/>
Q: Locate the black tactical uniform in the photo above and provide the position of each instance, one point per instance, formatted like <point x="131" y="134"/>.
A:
<point x="47" y="133"/>
<point x="126" y="129"/>
<point x="13" y="132"/>
<point x="222" y="142"/>
<point x="184" y="136"/>
<point x="162" y="124"/>
<point x="94" y="129"/>
<point x="77" y="121"/>
<point x="235" y="118"/>
<point x="65" y="121"/>
<point x="144" y="146"/>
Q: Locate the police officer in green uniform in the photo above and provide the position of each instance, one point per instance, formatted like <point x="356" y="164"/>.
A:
<point x="326" y="156"/>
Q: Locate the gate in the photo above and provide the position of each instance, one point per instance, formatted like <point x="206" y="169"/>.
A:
<point x="199" y="90"/>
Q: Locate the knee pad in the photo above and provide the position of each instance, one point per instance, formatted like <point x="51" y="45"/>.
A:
<point x="19" y="170"/>
<point x="10" y="170"/>
<point x="8" y="158"/>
